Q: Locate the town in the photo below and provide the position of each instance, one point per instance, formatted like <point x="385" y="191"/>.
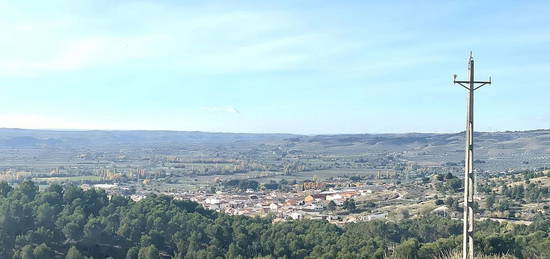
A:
<point x="342" y="200"/>
<point x="341" y="178"/>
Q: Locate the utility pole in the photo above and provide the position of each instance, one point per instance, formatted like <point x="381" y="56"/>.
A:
<point x="468" y="235"/>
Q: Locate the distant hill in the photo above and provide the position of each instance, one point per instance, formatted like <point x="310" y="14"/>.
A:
<point x="508" y="149"/>
<point x="501" y="150"/>
<point x="15" y="136"/>
<point x="27" y="137"/>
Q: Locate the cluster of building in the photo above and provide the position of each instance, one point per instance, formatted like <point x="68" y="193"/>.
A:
<point x="283" y="205"/>
<point x="309" y="203"/>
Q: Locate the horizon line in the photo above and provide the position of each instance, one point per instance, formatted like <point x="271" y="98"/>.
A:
<point x="267" y="133"/>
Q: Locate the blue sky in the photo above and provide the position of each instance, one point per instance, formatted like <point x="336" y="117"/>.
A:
<point x="272" y="66"/>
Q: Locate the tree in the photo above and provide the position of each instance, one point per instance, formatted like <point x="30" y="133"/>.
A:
<point x="73" y="253"/>
<point x="232" y="252"/>
<point x="132" y="253"/>
<point x="349" y="204"/>
<point x="26" y="252"/>
<point x="407" y="249"/>
<point x="454" y="184"/>
<point x="150" y="252"/>
<point x="504" y="205"/>
<point x="56" y="188"/>
<point x="5" y="189"/>
<point x="145" y="241"/>
<point x="452" y="203"/>
<point x="183" y="229"/>
<point x="93" y="230"/>
<point x="271" y="185"/>
<point x="43" y="252"/>
<point x="45" y="215"/>
<point x="403" y="213"/>
<point x="491" y="201"/>
<point x="72" y="193"/>
<point x="331" y="206"/>
<point x="370" y="204"/>
<point x="72" y="231"/>
<point x="26" y="191"/>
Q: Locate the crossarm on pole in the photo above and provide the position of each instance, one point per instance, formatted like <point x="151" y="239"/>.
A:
<point x="475" y="82"/>
<point x="465" y="87"/>
<point x="482" y="84"/>
<point x="460" y="83"/>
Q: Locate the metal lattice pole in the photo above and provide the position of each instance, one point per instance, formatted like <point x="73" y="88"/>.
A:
<point x="468" y="235"/>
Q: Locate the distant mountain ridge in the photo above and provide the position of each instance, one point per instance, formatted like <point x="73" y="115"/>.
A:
<point x="500" y="150"/>
<point x="26" y="137"/>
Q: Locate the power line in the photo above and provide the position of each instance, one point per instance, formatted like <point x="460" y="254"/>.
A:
<point x="469" y="180"/>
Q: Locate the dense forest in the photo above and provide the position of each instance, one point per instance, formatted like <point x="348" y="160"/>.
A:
<point x="67" y="222"/>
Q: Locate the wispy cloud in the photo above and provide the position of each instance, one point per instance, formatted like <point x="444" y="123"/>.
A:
<point x="328" y="62"/>
<point x="212" y="42"/>
<point x="226" y="109"/>
<point x="80" y="54"/>
<point x="43" y="121"/>
<point x="38" y="121"/>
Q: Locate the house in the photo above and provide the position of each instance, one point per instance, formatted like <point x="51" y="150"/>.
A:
<point x="291" y="202"/>
<point x="136" y="197"/>
<point x="315" y="197"/>
<point x="273" y="207"/>
<point x="340" y="195"/>
<point x="335" y="196"/>
<point x="212" y="200"/>
<point x="297" y="215"/>
<point x="376" y="216"/>
<point x="313" y="185"/>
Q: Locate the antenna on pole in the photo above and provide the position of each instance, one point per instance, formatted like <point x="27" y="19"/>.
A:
<point x="469" y="180"/>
